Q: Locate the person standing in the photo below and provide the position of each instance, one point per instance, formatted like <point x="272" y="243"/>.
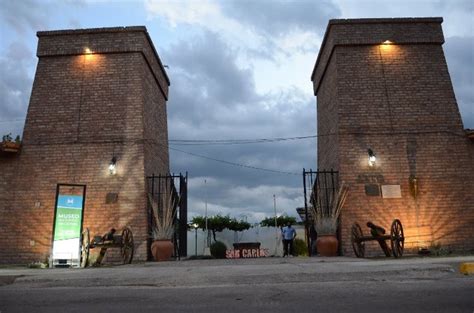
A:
<point x="288" y="234"/>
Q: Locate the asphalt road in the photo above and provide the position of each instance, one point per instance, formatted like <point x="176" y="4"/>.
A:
<point x="271" y="285"/>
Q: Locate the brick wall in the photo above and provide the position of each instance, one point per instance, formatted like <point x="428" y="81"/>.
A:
<point x="85" y="109"/>
<point x="397" y="100"/>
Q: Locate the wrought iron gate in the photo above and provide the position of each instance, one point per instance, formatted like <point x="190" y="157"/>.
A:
<point x="177" y="186"/>
<point x="320" y="186"/>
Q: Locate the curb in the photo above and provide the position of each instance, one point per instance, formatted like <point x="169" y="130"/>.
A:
<point x="466" y="268"/>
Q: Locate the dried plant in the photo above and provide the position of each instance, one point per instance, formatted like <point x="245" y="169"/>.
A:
<point x="326" y="220"/>
<point x="163" y="216"/>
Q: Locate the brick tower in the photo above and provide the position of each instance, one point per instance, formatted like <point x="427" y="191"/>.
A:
<point x="98" y="94"/>
<point x="383" y="85"/>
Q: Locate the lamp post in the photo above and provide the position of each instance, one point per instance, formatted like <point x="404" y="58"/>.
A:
<point x="195" y="239"/>
<point x="207" y="250"/>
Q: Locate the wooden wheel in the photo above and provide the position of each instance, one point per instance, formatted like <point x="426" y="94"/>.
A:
<point x="127" y="245"/>
<point x="357" y="244"/>
<point x="397" y="239"/>
<point x="85" y="247"/>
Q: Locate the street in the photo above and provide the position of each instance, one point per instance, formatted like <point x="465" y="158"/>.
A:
<point x="255" y="285"/>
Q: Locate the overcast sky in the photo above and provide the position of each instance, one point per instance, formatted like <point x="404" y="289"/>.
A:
<point x="238" y="70"/>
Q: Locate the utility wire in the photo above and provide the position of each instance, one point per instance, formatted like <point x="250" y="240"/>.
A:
<point x="244" y="140"/>
<point x="233" y="163"/>
<point x="209" y="142"/>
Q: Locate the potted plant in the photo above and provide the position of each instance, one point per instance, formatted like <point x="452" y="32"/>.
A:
<point x="163" y="225"/>
<point x="10" y="145"/>
<point x="326" y="221"/>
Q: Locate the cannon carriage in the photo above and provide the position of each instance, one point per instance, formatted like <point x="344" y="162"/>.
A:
<point x="396" y="238"/>
<point x="124" y="242"/>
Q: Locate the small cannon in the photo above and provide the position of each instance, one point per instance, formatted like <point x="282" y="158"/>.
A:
<point x="109" y="240"/>
<point x="396" y="238"/>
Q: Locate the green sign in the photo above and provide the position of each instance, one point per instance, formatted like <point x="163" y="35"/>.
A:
<point x="67" y="227"/>
<point x="68" y="217"/>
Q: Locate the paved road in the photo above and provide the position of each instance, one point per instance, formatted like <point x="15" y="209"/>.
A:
<point x="268" y="285"/>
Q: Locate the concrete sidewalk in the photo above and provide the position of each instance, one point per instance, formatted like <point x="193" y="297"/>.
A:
<point x="236" y="271"/>
<point x="272" y="285"/>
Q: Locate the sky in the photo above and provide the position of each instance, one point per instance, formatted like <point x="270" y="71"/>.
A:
<point x="238" y="70"/>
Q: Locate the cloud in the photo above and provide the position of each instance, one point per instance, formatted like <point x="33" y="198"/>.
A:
<point x="260" y="29"/>
<point x="460" y="58"/>
<point x="278" y="17"/>
<point x="456" y="13"/>
<point x="252" y="203"/>
<point x="15" y="87"/>
<point x="213" y="97"/>
<point x="24" y="15"/>
<point x="187" y="12"/>
<point x="210" y="63"/>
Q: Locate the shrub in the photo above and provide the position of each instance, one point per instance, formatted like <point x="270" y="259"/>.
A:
<point x="300" y="247"/>
<point x="218" y="249"/>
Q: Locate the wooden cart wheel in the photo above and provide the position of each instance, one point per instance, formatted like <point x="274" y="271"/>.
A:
<point x="127" y="245"/>
<point x="357" y="244"/>
<point x="397" y="239"/>
<point x="85" y="247"/>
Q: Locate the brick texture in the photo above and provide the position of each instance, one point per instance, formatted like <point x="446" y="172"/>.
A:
<point x="397" y="100"/>
<point x="85" y="109"/>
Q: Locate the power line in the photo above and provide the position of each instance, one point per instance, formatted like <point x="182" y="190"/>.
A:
<point x="210" y="142"/>
<point x="235" y="164"/>
<point x="244" y="140"/>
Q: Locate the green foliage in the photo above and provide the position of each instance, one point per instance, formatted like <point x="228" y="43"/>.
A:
<point x="438" y="250"/>
<point x="300" y="247"/>
<point x="218" y="249"/>
<point x="236" y="225"/>
<point x="200" y="221"/>
<point x="281" y="221"/>
<point x="214" y="223"/>
<point x="218" y="223"/>
<point x="7" y="137"/>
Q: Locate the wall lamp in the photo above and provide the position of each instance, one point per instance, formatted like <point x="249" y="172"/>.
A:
<point x="372" y="157"/>
<point x="113" y="166"/>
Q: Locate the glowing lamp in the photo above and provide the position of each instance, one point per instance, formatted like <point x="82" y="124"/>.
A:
<point x="372" y="157"/>
<point x="113" y="166"/>
<point x="387" y="42"/>
<point x="87" y="51"/>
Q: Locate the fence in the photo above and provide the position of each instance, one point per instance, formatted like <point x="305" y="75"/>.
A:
<point x="160" y="187"/>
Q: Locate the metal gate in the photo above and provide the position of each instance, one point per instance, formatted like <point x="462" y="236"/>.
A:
<point x="320" y="186"/>
<point x="158" y="186"/>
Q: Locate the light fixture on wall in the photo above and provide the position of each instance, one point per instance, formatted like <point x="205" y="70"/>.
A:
<point x="387" y="42"/>
<point x="372" y="157"/>
<point x="113" y="166"/>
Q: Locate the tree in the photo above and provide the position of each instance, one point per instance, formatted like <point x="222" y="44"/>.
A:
<point x="218" y="223"/>
<point x="281" y="221"/>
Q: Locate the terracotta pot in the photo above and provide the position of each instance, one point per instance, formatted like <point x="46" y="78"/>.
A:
<point x="10" y="144"/>
<point x="327" y="245"/>
<point x="162" y="249"/>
